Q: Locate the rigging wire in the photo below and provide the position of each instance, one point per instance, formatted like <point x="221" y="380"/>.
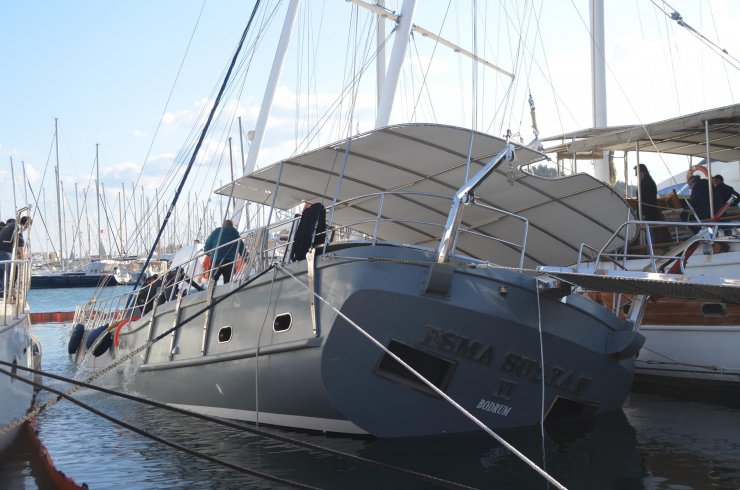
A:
<point x="720" y="51"/>
<point x="724" y="67"/>
<point x="161" y="440"/>
<point x="232" y="425"/>
<point x="429" y="64"/>
<point x="200" y="142"/>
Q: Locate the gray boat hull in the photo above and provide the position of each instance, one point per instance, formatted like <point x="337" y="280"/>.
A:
<point x="266" y="360"/>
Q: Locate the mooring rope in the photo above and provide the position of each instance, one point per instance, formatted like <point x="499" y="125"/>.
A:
<point x="244" y="428"/>
<point x="431" y="385"/>
<point x="149" y="435"/>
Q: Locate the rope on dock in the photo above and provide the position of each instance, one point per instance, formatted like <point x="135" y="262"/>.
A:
<point x="259" y="432"/>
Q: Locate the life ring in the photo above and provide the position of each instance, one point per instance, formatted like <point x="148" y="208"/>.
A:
<point x="699" y="168"/>
<point x="117" y="331"/>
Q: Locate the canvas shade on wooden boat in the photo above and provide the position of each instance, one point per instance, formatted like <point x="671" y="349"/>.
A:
<point x="686" y="135"/>
<point x="430" y="158"/>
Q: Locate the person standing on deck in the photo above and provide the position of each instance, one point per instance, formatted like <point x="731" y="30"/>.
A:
<point x="222" y="246"/>
<point x="648" y="195"/>
<point x="723" y="192"/>
<point x="6" y="247"/>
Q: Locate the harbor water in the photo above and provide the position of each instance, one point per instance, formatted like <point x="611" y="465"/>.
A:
<point x="653" y="443"/>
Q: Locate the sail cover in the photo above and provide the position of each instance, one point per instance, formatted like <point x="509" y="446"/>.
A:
<point x="416" y="162"/>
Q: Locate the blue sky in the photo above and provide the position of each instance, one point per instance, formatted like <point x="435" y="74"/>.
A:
<point x="106" y="70"/>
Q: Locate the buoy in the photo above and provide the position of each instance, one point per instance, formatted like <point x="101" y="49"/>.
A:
<point x="75" y="339"/>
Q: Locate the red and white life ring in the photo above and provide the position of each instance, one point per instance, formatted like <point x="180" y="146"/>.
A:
<point x="699" y="168"/>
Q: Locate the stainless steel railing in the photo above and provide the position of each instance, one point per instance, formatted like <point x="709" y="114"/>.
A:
<point x="268" y="244"/>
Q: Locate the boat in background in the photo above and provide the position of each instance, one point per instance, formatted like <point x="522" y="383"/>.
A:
<point x="98" y="273"/>
<point x="16" y="344"/>
<point x="691" y="345"/>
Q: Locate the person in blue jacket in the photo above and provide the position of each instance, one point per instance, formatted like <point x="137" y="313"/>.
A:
<point x="222" y="246"/>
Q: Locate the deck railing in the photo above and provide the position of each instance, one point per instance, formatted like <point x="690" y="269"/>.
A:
<point x="656" y="254"/>
<point x="16" y="280"/>
<point x="268" y="244"/>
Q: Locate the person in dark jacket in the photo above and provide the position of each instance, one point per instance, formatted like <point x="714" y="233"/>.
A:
<point x="723" y="192"/>
<point x="648" y="194"/>
<point x="699" y="198"/>
<point x="222" y="246"/>
<point x="7" y="239"/>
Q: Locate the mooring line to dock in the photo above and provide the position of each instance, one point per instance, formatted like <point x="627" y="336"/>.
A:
<point x="161" y="440"/>
<point x="431" y="385"/>
<point x="256" y="431"/>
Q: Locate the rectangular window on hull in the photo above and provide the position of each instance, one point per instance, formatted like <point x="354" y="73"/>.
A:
<point x="435" y="369"/>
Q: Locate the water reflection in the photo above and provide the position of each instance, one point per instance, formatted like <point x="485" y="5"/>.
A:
<point x="655" y="443"/>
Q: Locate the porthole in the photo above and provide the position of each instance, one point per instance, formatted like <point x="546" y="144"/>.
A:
<point x="224" y="335"/>
<point x="282" y="322"/>
<point x="713" y="309"/>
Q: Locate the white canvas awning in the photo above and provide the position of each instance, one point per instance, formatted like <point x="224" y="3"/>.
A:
<point x="685" y="135"/>
<point x="428" y="158"/>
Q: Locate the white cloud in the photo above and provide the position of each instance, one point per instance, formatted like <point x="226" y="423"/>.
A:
<point x="138" y="134"/>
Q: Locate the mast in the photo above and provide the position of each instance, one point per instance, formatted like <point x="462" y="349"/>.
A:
<point x="25" y="184"/>
<point x="237" y="203"/>
<point x="272" y="82"/>
<point x="124" y="223"/>
<point x="97" y="193"/>
<point x="64" y="217"/>
<point x="380" y="48"/>
<point x="394" y="67"/>
<point x="120" y="221"/>
<point x="598" y="81"/>
<point x="12" y="177"/>
<point x="59" y="202"/>
<point x="79" y="221"/>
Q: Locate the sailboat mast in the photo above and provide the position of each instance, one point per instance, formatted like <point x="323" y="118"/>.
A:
<point x="79" y="222"/>
<point x="59" y="197"/>
<point x="272" y="83"/>
<point x="12" y="176"/>
<point x="380" y="49"/>
<point x="398" y="54"/>
<point x="598" y="81"/>
<point x="25" y="184"/>
<point x="97" y="194"/>
<point x="120" y="222"/>
<point x="64" y="216"/>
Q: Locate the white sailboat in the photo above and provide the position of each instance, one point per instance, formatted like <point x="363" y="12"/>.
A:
<point x="16" y="344"/>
